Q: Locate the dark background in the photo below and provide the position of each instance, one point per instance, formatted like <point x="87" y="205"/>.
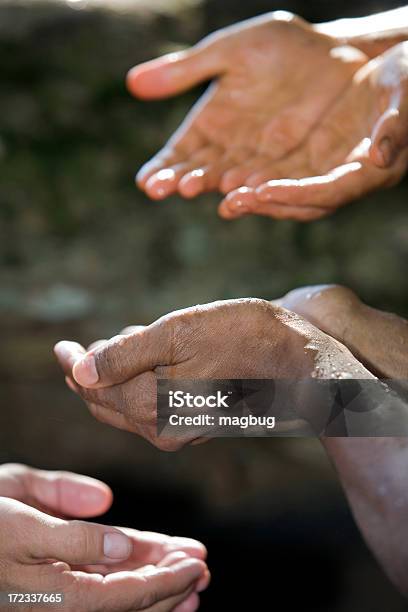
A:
<point x="83" y="253"/>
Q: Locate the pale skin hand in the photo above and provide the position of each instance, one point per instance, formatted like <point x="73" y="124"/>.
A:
<point x="276" y="77"/>
<point x="92" y="565"/>
<point x="373" y="471"/>
<point x="246" y="338"/>
<point x="360" y="145"/>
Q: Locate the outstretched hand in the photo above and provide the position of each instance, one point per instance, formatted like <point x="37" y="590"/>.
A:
<point x="294" y="126"/>
<point x="276" y="78"/>
<point x="244" y="338"/>
<point x="88" y="563"/>
<point x="360" y="145"/>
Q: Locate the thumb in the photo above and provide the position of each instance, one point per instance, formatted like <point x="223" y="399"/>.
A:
<point x="124" y="357"/>
<point x="174" y="73"/>
<point x="78" y="542"/>
<point x="390" y="134"/>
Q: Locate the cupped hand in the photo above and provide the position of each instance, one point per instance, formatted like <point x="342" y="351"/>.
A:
<point x="360" y="145"/>
<point x="89" y="564"/>
<point x="276" y="77"/>
<point x="247" y="339"/>
<point x="97" y="567"/>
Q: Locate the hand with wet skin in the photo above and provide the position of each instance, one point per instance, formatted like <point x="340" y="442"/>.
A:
<point x="245" y="338"/>
<point x="91" y="565"/>
<point x="276" y="77"/>
<point x="360" y="145"/>
<point x="373" y="471"/>
<point x="378" y="339"/>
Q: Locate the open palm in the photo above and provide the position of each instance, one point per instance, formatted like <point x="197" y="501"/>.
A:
<point x="359" y="145"/>
<point x="276" y="78"/>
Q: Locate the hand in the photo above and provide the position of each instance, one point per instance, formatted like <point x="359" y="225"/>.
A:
<point x="40" y="553"/>
<point x="246" y="338"/>
<point x="368" y="466"/>
<point x="361" y="144"/>
<point x="276" y="77"/>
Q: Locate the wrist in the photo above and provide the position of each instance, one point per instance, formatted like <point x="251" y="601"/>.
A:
<point x="372" y="35"/>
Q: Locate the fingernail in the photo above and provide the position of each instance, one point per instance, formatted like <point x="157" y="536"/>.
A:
<point x="385" y="147"/>
<point x="116" y="546"/>
<point x="61" y="350"/>
<point x="85" y="372"/>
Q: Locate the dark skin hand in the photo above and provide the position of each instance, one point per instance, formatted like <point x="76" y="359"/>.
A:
<point x="245" y="338"/>
<point x="373" y="471"/>
<point x="339" y="312"/>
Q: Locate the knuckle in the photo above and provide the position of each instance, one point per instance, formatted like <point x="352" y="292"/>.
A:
<point x="340" y="293"/>
<point x="105" y="361"/>
<point x="109" y="356"/>
<point x="258" y="305"/>
<point x="82" y="539"/>
<point x="181" y="328"/>
<point x="284" y="16"/>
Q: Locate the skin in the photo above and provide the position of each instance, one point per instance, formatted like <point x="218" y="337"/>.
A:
<point x="373" y="471"/>
<point x="48" y="553"/>
<point x="373" y="34"/>
<point x="245" y="338"/>
<point x="253" y="114"/>
<point x="339" y="312"/>
<point x="359" y="146"/>
<point x="337" y="122"/>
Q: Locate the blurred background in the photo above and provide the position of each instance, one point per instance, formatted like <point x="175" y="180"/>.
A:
<point x="83" y="253"/>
